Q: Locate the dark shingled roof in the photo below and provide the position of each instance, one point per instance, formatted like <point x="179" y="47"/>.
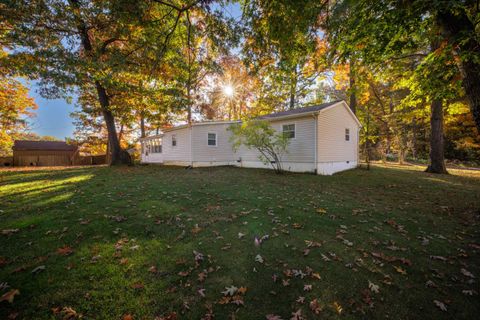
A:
<point x="314" y="108"/>
<point x="43" y="145"/>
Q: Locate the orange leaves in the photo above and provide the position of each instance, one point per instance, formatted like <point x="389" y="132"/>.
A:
<point x="67" y="313"/>
<point x="65" y="251"/>
<point x="10" y="295"/>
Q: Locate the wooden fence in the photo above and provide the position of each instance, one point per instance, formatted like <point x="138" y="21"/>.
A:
<point x="53" y="160"/>
<point x="6" y="161"/>
<point x="90" y="160"/>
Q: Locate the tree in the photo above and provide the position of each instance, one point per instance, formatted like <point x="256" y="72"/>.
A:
<point x="259" y="135"/>
<point x="74" y="43"/>
<point x="284" y="46"/>
<point x="15" y="107"/>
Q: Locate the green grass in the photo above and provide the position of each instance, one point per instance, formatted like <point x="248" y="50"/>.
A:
<point x="163" y="214"/>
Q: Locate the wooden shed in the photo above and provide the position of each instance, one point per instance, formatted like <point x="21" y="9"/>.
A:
<point x="43" y="153"/>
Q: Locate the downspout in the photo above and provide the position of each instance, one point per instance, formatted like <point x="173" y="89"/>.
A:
<point x="191" y="145"/>
<point x="358" y="146"/>
<point x="315" y="117"/>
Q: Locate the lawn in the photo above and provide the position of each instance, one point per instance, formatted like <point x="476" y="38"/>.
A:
<point x="151" y="242"/>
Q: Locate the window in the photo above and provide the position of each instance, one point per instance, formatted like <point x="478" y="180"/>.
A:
<point x="174" y="140"/>
<point x="157" y="146"/>
<point x="212" y="139"/>
<point x="289" y="131"/>
<point x="347" y="134"/>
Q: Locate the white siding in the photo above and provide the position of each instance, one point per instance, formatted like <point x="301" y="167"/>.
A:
<point x="332" y="146"/>
<point x="202" y="152"/>
<point x="301" y="149"/>
<point x="334" y="153"/>
<point x="181" y="153"/>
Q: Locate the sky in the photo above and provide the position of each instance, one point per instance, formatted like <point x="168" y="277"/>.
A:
<point x="53" y="115"/>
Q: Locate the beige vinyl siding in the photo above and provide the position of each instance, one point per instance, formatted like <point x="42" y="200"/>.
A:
<point x="301" y="149"/>
<point x="332" y="146"/>
<point x="182" y="151"/>
<point x="202" y="152"/>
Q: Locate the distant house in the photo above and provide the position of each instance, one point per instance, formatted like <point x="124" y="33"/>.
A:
<point x="324" y="140"/>
<point x="43" y="153"/>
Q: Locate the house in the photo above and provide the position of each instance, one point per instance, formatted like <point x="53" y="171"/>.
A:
<point x="324" y="140"/>
<point x="43" y="153"/>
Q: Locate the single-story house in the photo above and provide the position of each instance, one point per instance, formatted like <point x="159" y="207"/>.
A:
<point x="323" y="140"/>
<point x="43" y="153"/>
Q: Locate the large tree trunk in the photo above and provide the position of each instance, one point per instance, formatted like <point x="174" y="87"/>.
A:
<point x="454" y="27"/>
<point x="437" y="161"/>
<point x="118" y="156"/>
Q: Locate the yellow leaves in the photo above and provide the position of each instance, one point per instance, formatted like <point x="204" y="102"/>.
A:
<point x="338" y="308"/>
<point x="10" y="295"/>
<point x="400" y="270"/>
<point x="321" y="211"/>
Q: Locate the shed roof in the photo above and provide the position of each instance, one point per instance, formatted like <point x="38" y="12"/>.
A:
<point x="43" y="145"/>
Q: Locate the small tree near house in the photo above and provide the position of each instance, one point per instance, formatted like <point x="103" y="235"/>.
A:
<point x="259" y="135"/>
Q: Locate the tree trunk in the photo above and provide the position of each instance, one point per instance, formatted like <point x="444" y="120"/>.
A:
<point x="118" y="156"/>
<point x="453" y="27"/>
<point x="142" y="125"/>
<point x="353" y="97"/>
<point x="437" y="161"/>
<point x="414" y="139"/>
<point x="293" y="89"/>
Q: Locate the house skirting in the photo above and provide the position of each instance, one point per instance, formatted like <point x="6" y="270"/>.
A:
<point x="329" y="168"/>
<point x="323" y="168"/>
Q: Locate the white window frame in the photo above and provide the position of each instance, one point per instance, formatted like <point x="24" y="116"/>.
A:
<point x="216" y="139"/>
<point x="294" y="124"/>
<point x="347" y="134"/>
<point x="174" y="140"/>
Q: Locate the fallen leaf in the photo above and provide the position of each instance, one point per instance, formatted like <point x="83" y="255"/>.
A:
<point x="138" y="285"/>
<point x="128" y="317"/>
<point x="7" y="232"/>
<point x="440" y="305"/>
<point x="273" y="317"/>
<point x="10" y="295"/>
<point x="315" y="306"/>
<point x="201" y="292"/>
<point x="373" y="287"/>
<point x="242" y="290"/>
<point x="153" y="269"/>
<point x="38" y="269"/>
<point x="400" y="270"/>
<point x="259" y="258"/>
<point x="297" y="315"/>
<point x="467" y="273"/>
<point x="337" y="307"/>
<point x="230" y="291"/>
<point x="307" y="287"/>
<point x="68" y="313"/>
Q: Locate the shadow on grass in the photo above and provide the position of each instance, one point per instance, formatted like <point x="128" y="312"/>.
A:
<point x="133" y="232"/>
